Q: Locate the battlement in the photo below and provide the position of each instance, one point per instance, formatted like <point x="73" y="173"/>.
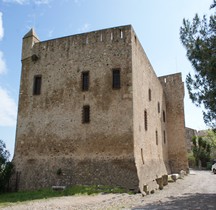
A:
<point x="171" y="78"/>
<point x="106" y="37"/>
<point x="109" y="35"/>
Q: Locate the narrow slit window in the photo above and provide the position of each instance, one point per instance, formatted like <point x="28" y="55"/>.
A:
<point x="111" y="36"/>
<point x="85" y="81"/>
<point x="86" y="114"/>
<point x="156" y="134"/>
<point x="164" y="116"/>
<point x="158" y="107"/>
<point x="145" y="120"/>
<point x="149" y="93"/>
<point x="37" y="85"/>
<point x="142" y="156"/>
<point x="121" y="34"/>
<point x="116" y="79"/>
<point x="164" y="137"/>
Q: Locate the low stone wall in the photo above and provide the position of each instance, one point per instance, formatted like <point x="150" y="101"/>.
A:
<point x="41" y="173"/>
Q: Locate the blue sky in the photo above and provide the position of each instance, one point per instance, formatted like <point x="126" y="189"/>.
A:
<point x="155" y="22"/>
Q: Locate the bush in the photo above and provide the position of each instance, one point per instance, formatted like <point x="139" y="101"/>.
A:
<point x="209" y="165"/>
<point x="201" y="151"/>
<point x="6" y="168"/>
<point x="191" y="160"/>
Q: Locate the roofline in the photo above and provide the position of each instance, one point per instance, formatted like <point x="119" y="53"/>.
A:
<point x="78" y="34"/>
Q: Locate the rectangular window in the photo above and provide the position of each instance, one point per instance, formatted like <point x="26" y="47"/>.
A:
<point x="86" y="114"/>
<point x="85" y="81"/>
<point x="116" y="79"/>
<point x="37" y="85"/>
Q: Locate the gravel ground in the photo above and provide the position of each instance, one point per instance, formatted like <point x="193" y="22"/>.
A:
<point x="196" y="191"/>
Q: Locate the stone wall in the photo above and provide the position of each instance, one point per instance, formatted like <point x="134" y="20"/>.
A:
<point x="150" y="148"/>
<point x="43" y="172"/>
<point x="135" y="133"/>
<point x="189" y="133"/>
<point x="50" y="132"/>
<point x="174" y="93"/>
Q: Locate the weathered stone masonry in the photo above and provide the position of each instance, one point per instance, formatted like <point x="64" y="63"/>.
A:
<point x="130" y="139"/>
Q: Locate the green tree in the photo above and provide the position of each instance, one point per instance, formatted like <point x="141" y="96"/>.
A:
<point x="211" y="139"/>
<point x="199" y="39"/>
<point x="201" y="151"/>
<point x="6" y="167"/>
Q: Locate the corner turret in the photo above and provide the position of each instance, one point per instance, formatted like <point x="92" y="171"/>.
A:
<point x="28" y="42"/>
<point x="174" y="91"/>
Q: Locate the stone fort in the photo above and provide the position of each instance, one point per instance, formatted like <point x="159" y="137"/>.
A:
<point x="93" y="111"/>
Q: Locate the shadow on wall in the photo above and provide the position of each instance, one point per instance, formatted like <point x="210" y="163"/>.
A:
<point x="187" y="202"/>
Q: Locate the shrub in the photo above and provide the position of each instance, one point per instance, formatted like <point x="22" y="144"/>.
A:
<point x="191" y="160"/>
<point x="6" y="167"/>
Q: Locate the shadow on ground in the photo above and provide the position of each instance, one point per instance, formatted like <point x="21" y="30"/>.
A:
<point x="196" y="201"/>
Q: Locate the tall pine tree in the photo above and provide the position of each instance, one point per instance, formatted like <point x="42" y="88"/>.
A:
<point x="199" y="39"/>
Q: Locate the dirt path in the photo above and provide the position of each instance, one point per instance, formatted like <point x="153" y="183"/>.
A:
<point x="195" y="191"/>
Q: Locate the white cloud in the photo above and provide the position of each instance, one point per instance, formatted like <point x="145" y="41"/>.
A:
<point x="2" y="63"/>
<point x="8" y="109"/>
<point x="84" y="28"/>
<point x="22" y="2"/>
<point x="50" y="33"/>
<point x="78" y="2"/>
<point x="41" y="1"/>
<point x="16" y="1"/>
<point x="1" y="27"/>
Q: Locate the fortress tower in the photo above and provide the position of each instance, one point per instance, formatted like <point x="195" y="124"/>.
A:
<point x="93" y="111"/>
